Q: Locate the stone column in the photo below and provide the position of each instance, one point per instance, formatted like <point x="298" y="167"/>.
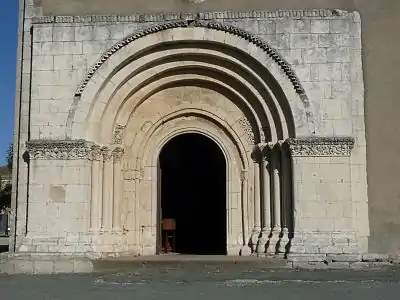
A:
<point x="266" y="197"/>
<point x="245" y="251"/>
<point x="286" y="196"/>
<point x="117" y="188"/>
<point x="276" y="198"/>
<point x="257" y="200"/>
<point x="107" y="190"/>
<point x="96" y="189"/>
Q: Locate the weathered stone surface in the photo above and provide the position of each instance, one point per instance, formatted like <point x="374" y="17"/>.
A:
<point x="100" y="116"/>
<point x="375" y="257"/>
<point x="344" y="257"/>
<point x="44" y="263"/>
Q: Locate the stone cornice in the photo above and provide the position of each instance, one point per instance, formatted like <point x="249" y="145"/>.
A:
<point x="165" y="17"/>
<point x="68" y="150"/>
<point x="321" y="146"/>
<point x="251" y="38"/>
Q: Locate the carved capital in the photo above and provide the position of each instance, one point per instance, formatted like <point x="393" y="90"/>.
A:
<point x="118" y="136"/>
<point x="95" y="153"/>
<point x="59" y="149"/>
<point x="117" y="154"/>
<point x="244" y="175"/>
<point x="106" y="153"/>
<point x="321" y="146"/>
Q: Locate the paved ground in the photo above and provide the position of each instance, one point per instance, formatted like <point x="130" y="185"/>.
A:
<point x="196" y="280"/>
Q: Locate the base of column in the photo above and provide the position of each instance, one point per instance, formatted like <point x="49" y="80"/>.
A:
<point x="284" y="241"/>
<point x="263" y="241"/>
<point x="274" y="240"/>
<point x="245" y="251"/>
<point x="255" y="235"/>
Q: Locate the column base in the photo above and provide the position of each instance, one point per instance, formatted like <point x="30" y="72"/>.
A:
<point x="274" y="240"/>
<point x="245" y="251"/>
<point x="254" y="238"/>
<point x="284" y="241"/>
<point x="263" y="241"/>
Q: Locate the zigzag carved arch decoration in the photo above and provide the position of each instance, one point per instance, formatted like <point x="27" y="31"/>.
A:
<point x="273" y="54"/>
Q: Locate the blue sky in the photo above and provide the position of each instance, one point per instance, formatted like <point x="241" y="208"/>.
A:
<point x="9" y="35"/>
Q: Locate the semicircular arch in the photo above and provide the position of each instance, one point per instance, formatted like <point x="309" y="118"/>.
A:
<point x="104" y="73"/>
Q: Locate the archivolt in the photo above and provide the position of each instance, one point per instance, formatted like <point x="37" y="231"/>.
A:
<point x="183" y="24"/>
<point x="231" y="60"/>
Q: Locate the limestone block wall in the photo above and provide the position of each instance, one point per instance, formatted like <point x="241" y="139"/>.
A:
<point x="59" y="200"/>
<point x="324" y="50"/>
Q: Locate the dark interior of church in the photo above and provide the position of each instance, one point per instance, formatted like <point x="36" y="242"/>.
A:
<point x="193" y="195"/>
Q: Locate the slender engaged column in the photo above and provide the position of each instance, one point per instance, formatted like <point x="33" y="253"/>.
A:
<point x="266" y="167"/>
<point x="257" y="198"/>
<point x="117" y="189"/>
<point x="107" y="190"/>
<point x="257" y="201"/>
<point x="245" y="251"/>
<point x="277" y="190"/>
<point x="96" y="190"/>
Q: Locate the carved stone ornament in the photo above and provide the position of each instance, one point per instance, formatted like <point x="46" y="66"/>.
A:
<point x="118" y="153"/>
<point x="200" y="23"/>
<point x="59" y="149"/>
<point x="133" y="174"/>
<point x="95" y="153"/>
<point x="321" y="146"/>
<point x="107" y="153"/>
<point x="245" y="124"/>
<point x="118" y="134"/>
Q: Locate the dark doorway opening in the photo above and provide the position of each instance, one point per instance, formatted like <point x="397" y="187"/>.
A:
<point x="193" y="193"/>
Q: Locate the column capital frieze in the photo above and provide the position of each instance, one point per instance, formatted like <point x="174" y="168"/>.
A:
<point x="117" y="154"/>
<point x="320" y="146"/>
<point x="244" y="175"/>
<point x="95" y="153"/>
<point x="70" y="150"/>
<point x="59" y="149"/>
<point x="107" y="153"/>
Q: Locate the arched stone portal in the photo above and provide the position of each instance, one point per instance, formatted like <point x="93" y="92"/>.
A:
<point x="192" y="179"/>
<point x="227" y="85"/>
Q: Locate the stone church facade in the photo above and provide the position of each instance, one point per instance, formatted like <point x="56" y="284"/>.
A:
<point x="281" y="94"/>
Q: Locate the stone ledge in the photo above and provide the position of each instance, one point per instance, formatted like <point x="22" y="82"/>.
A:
<point x="162" y="17"/>
<point x="45" y="263"/>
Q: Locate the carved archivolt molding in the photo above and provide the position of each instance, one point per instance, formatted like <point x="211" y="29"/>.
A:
<point x="245" y="124"/>
<point x="71" y="150"/>
<point x="251" y="38"/>
<point x="118" y="134"/>
<point x="321" y="146"/>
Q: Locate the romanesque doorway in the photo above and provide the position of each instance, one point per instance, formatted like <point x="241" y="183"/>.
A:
<point x="192" y="191"/>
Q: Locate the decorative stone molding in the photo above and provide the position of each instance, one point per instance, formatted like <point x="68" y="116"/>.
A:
<point x="227" y="15"/>
<point x="245" y="124"/>
<point x="107" y="153"/>
<point x="133" y="174"/>
<point x="272" y="53"/>
<point x="321" y="146"/>
<point x="118" y="134"/>
<point x="95" y="153"/>
<point x="244" y="175"/>
<point x="59" y="149"/>
<point x="117" y="154"/>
